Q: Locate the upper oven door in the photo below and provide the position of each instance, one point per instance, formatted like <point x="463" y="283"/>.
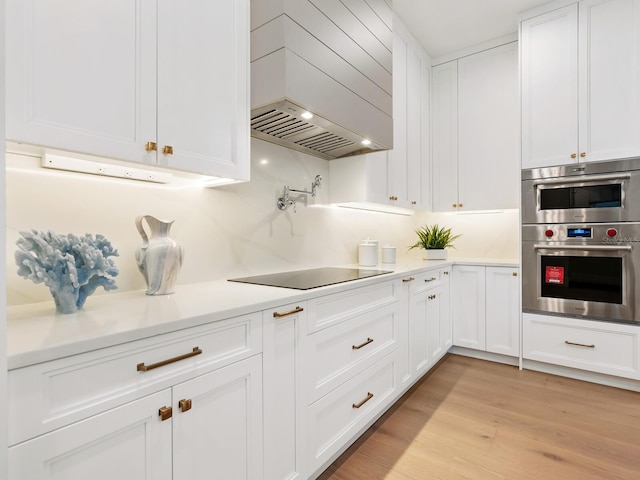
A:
<point x="585" y="198"/>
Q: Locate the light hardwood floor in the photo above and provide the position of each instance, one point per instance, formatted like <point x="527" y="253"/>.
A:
<point x="472" y="419"/>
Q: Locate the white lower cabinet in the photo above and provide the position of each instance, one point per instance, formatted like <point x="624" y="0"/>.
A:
<point x="212" y="423"/>
<point x="284" y="333"/>
<point x="128" y="442"/>
<point x="179" y="405"/>
<point x="335" y="419"/>
<point x="602" y="347"/>
<point x="486" y="309"/>
<point x="217" y="425"/>
<point x="430" y="334"/>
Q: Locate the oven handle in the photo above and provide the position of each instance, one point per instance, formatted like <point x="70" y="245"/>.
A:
<point x="608" y="248"/>
<point x="582" y="179"/>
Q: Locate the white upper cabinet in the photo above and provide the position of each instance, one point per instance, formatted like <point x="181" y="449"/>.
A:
<point x="444" y="105"/>
<point x="399" y="177"/>
<point x="581" y="83"/>
<point x="475" y="131"/>
<point x="159" y="83"/>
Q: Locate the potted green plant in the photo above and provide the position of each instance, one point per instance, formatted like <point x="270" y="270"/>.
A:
<point x="434" y="239"/>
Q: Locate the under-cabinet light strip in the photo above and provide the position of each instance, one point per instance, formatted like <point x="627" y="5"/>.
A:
<point x="69" y="164"/>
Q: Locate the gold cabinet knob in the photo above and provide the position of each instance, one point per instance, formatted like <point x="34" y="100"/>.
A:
<point x="460" y="205"/>
<point x="167" y="150"/>
<point x="515" y="274"/>
<point x="151" y="146"/>
<point x="454" y="205"/>
<point x="573" y="155"/>
<point x="583" y="154"/>
<point x="185" y="405"/>
<point x="414" y="202"/>
<point x="165" y="413"/>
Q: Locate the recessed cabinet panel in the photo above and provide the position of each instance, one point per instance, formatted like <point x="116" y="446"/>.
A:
<point x="203" y="110"/>
<point x="81" y="75"/>
<point x="469" y="318"/>
<point x="444" y="105"/>
<point x="221" y="432"/>
<point x="503" y="307"/>
<point x="488" y="129"/>
<point x="549" y="88"/>
<point x="128" y="442"/>
<point x="609" y="62"/>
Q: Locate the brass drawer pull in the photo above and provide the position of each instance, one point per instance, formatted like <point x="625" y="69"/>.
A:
<point x="151" y="146"/>
<point x="358" y="405"/>
<point x="295" y="310"/>
<point x="430" y="279"/>
<point x="165" y="413"/>
<point x="185" y="405"/>
<point x="145" y="368"/>
<point x="446" y="272"/>
<point x="358" y="347"/>
<point x="407" y="280"/>
<point x="167" y="150"/>
<point x="579" y="344"/>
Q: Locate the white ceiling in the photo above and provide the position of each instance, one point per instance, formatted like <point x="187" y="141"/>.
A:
<point x="446" y="26"/>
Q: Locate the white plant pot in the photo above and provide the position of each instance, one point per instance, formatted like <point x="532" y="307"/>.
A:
<point x="435" y="254"/>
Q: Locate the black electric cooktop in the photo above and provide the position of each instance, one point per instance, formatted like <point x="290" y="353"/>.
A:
<point x="313" y="278"/>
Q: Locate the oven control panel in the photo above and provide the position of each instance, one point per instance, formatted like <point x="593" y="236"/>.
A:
<point x="628" y="232"/>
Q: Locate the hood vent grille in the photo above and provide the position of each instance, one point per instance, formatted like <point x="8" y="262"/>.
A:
<point x="306" y="136"/>
<point x="282" y="123"/>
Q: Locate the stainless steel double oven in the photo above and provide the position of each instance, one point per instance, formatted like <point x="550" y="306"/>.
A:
<point x="581" y="240"/>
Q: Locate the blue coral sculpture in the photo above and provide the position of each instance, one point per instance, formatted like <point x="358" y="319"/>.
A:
<point x="71" y="266"/>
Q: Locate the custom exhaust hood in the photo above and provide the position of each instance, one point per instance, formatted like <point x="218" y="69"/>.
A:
<point x="321" y="75"/>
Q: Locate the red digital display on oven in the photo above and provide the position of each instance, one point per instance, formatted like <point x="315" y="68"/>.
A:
<point x="554" y="275"/>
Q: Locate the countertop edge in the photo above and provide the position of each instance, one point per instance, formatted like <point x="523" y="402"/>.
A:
<point x="35" y="335"/>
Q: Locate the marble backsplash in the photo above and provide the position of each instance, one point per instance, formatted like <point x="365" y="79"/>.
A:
<point x="229" y="231"/>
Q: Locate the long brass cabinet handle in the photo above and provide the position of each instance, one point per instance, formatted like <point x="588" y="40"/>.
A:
<point x="358" y="347"/>
<point x="145" y="368"/>
<point x="407" y="280"/>
<point x="358" y="405"/>
<point x="430" y="279"/>
<point x="579" y="344"/>
<point x="291" y="312"/>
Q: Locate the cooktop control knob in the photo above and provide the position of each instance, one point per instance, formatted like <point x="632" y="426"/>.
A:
<point x="612" y="232"/>
<point x="549" y="233"/>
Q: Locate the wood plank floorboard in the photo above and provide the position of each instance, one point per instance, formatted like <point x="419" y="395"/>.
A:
<point x="476" y="420"/>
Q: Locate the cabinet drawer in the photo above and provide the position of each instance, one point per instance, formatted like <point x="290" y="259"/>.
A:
<point x="426" y="281"/>
<point x="589" y="345"/>
<point x="335" y="354"/>
<point x="337" y="417"/>
<point x="50" y="395"/>
<point x="330" y="310"/>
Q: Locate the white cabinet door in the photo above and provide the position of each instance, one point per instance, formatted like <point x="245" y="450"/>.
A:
<point x="398" y="187"/>
<point x="446" y="320"/>
<point x="503" y="311"/>
<point x="434" y="326"/>
<point x="609" y="79"/>
<point x="129" y="442"/>
<point x="444" y="104"/>
<point x="284" y="402"/>
<point x="81" y="75"/>
<point x="549" y="76"/>
<point x="217" y="424"/>
<point x="488" y="129"/>
<point x="203" y="108"/>
<point x="469" y="306"/>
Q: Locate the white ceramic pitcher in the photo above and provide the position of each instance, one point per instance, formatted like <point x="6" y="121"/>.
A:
<point x="160" y="257"/>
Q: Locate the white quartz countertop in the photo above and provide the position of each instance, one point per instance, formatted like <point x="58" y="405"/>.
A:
<point x="36" y="334"/>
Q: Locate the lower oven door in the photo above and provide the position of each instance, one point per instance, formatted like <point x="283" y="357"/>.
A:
<point x="594" y="281"/>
